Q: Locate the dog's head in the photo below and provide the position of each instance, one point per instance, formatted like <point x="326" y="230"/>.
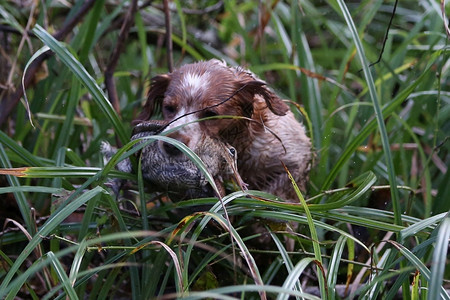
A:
<point x="208" y="89"/>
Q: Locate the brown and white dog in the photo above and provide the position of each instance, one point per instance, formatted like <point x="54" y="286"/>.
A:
<point x="264" y="131"/>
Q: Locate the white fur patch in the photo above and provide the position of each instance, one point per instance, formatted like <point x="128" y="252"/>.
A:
<point x="192" y="130"/>
<point x="195" y="83"/>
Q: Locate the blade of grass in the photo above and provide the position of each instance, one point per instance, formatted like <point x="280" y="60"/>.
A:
<point x="30" y="189"/>
<point x="294" y="274"/>
<point x="52" y="172"/>
<point x="313" y="232"/>
<point x="310" y="87"/>
<point x="76" y="263"/>
<point x="134" y="273"/>
<point x="24" y="154"/>
<point x="439" y="260"/>
<point x="334" y="266"/>
<point x="21" y="200"/>
<point x="234" y="235"/>
<point x="419" y="265"/>
<point x="289" y="266"/>
<point x="371" y="125"/>
<point x="63" y="135"/>
<point x="80" y="72"/>
<point x="222" y="293"/>
<point x="62" y="276"/>
<point x="413" y="229"/>
<point x="91" y="27"/>
<point x="55" y="220"/>
<point x="378" y="113"/>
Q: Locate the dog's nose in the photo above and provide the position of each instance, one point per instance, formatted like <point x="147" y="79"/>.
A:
<point x="172" y="150"/>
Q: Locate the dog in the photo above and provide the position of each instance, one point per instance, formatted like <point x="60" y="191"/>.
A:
<point x="234" y="106"/>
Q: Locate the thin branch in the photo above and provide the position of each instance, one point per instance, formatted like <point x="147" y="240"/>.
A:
<point x="114" y="58"/>
<point x="386" y="34"/>
<point x="169" y="44"/>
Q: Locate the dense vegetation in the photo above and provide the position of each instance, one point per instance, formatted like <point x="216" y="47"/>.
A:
<point x="369" y="79"/>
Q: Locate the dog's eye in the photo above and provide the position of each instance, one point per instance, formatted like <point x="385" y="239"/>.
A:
<point x="209" y="113"/>
<point x="169" y="109"/>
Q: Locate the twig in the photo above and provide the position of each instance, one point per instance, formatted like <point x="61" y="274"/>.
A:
<point x="9" y="102"/>
<point x="386" y="35"/>
<point x="114" y="58"/>
<point x="9" y="29"/>
<point x="169" y="44"/>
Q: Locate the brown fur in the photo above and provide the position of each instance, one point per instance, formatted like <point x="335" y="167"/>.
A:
<point x="265" y="135"/>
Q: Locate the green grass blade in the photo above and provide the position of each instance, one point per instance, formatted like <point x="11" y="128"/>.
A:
<point x="77" y="260"/>
<point x="21" y="200"/>
<point x="53" y="222"/>
<point x="287" y="262"/>
<point x="292" y="279"/>
<point x="91" y="29"/>
<point x="55" y="172"/>
<point x="313" y="232"/>
<point x="189" y="153"/>
<point x="70" y="112"/>
<point x="24" y="154"/>
<point x="62" y="276"/>
<point x="439" y="262"/>
<point x="222" y="293"/>
<point x="334" y="266"/>
<point x="378" y="112"/>
<point x="30" y="189"/>
<point x="80" y="72"/>
<point x="310" y="88"/>
<point x="414" y="229"/>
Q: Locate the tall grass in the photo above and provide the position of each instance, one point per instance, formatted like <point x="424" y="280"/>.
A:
<point x="374" y="224"/>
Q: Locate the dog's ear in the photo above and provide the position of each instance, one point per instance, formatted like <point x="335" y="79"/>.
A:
<point x="274" y="103"/>
<point x="155" y="97"/>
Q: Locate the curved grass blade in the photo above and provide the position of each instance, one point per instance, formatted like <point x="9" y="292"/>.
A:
<point x="21" y="200"/>
<point x="378" y="113"/>
<point x="31" y="189"/>
<point x="419" y="265"/>
<point x="19" y="150"/>
<point x="294" y="274"/>
<point x="288" y="263"/>
<point x="189" y="153"/>
<point x="55" y="172"/>
<point x="27" y="104"/>
<point x="439" y="259"/>
<point x="76" y="263"/>
<point x="92" y="244"/>
<point x="361" y="185"/>
<point x="55" y="220"/>
<point x="59" y="270"/>
<point x="413" y="229"/>
<point x="212" y="214"/>
<point x="313" y="232"/>
<point x="81" y="73"/>
<point x="355" y="189"/>
<point x="333" y="268"/>
<point x="221" y="293"/>
<point x="176" y="262"/>
<point x="371" y="125"/>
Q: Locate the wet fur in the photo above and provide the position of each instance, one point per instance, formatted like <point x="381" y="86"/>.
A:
<point x="265" y="135"/>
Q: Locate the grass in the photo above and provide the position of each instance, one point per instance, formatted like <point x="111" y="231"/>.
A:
<point x="374" y="224"/>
